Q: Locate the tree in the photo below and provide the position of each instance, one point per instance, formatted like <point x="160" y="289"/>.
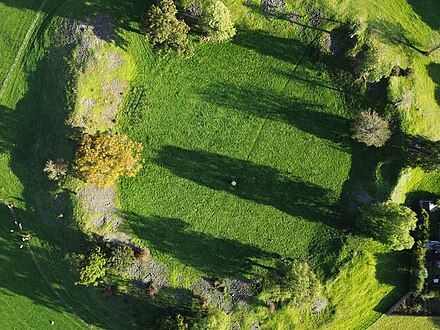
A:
<point x="93" y="269"/>
<point x="56" y="169"/>
<point x="103" y="158"/>
<point x="371" y="129"/>
<point x="291" y="281"/>
<point x="217" y="22"/>
<point x="389" y="223"/>
<point x="165" y="31"/>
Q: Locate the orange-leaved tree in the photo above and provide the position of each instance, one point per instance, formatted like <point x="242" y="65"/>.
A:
<point x="101" y="159"/>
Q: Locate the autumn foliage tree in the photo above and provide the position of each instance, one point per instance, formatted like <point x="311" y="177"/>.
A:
<point x="103" y="158"/>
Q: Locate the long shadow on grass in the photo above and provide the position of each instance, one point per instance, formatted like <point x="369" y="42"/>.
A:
<point x="258" y="183"/>
<point x="286" y="49"/>
<point x="428" y="11"/>
<point x="269" y="104"/>
<point x="214" y="256"/>
<point x="32" y="133"/>
<point x="392" y="269"/>
<point x="434" y="73"/>
<point x="106" y="17"/>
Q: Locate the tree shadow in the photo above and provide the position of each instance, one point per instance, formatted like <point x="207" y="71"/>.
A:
<point x="258" y="183"/>
<point x="395" y="34"/>
<point x="214" y="256"/>
<point x="428" y="10"/>
<point x="267" y="104"/>
<point x="107" y="18"/>
<point x="434" y="73"/>
<point x="392" y="268"/>
<point x="32" y="133"/>
<point x="18" y="274"/>
<point x="286" y="49"/>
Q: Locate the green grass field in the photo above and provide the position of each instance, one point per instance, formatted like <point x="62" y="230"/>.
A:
<point x="410" y="322"/>
<point x="205" y="124"/>
<point x="260" y="110"/>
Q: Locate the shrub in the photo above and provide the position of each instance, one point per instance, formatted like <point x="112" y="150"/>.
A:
<point x="152" y="290"/>
<point x="389" y="223"/>
<point x="217" y="22"/>
<point x="371" y="129"/>
<point x="165" y="31"/>
<point x="194" y="9"/>
<point x="418" y="270"/>
<point x="93" y="269"/>
<point x="56" y="169"/>
<point x="173" y="322"/>
<point x="122" y="257"/>
<point x="273" y="7"/>
<point x="319" y="304"/>
<point x="291" y="281"/>
<point x="102" y="159"/>
<point x="377" y="59"/>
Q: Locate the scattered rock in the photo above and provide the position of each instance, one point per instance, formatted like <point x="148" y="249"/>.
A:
<point x="150" y="272"/>
<point x="99" y="200"/>
<point x="206" y="290"/>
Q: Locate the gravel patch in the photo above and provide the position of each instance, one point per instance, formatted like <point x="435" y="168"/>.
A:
<point x="212" y="295"/>
<point x="150" y="272"/>
<point x="115" y="60"/>
<point x="99" y="200"/>
<point x="242" y="292"/>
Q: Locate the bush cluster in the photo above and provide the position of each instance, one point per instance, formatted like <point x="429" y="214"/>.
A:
<point x="419" y="272"/>
<point x="93" y="269"/>
<point x="121" y="258"/>
<point x="291" y="281"/>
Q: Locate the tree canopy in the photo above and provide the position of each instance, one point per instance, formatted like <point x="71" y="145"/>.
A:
<point x="103" y="158"/>
<point x="371" y="129"/>
<point x="165" y="31"/>
<point x="389" y="223"/>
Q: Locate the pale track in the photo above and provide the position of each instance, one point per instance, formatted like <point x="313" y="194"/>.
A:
<point x="18" y="58"/>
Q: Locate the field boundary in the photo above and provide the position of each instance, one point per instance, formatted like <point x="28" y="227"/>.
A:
<point x="22" y="48"/>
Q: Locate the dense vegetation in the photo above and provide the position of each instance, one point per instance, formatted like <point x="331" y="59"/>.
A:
<point x="253" y="206"/>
